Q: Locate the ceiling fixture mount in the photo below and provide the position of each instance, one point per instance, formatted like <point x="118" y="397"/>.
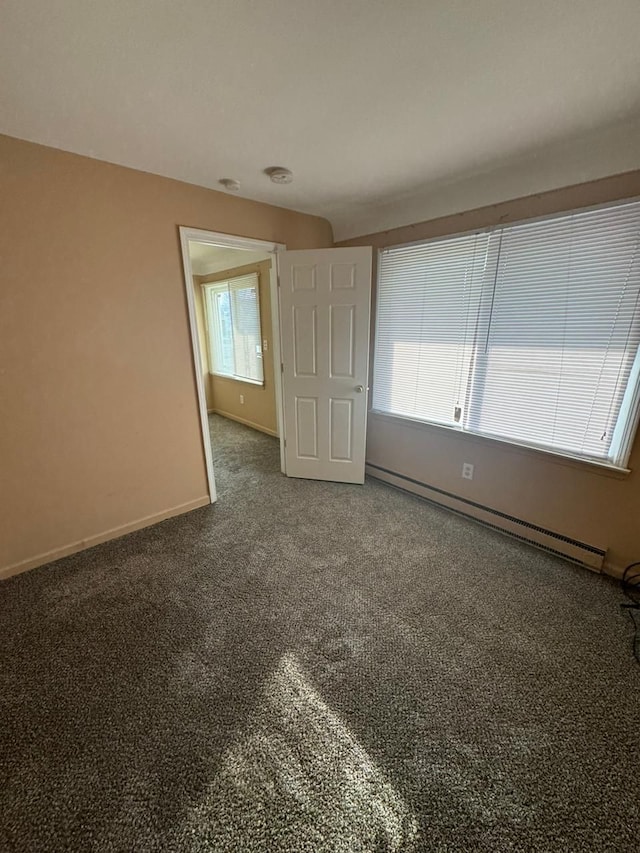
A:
<point x="230" y="184"/>
<point x="279" y="175"/>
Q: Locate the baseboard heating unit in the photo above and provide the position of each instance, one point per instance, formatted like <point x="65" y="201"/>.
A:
<point x="571" y="549"/>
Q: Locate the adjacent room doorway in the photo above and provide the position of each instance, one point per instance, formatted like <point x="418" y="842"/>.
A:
<point x="231" y="287"/>
<point x="300" y="345"/>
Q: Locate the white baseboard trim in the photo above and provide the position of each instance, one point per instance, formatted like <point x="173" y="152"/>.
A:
<point x="244" y="421"/>
<point x="105" y="536"/>
<point x="586" y="555"/>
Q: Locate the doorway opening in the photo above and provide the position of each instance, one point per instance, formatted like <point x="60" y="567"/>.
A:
<point x="231" y="285"/>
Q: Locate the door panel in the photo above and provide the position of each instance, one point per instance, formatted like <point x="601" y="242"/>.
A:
<point x="343" y="276"/>
<point x="325" y="299"/>
<point x="342" y="334"/>
<point x="341" y="430"/>
<point x="303" y="277"/>
<point x="306" y="427"/>
<point x="305" y="353"/>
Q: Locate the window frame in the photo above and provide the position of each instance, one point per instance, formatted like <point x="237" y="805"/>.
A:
<point x="626" y="429"/>
<point x="220" y="286"/>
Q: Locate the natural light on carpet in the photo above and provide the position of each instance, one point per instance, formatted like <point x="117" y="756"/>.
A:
<point x="296" y="779"/>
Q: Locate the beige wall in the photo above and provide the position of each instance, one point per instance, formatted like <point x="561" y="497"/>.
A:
<point x="573" y="499"/>
<point x="259" y="407"/>
<point x="99" y="428"/>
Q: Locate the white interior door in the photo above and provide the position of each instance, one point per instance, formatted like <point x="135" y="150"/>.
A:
<point x="325" y="299"/>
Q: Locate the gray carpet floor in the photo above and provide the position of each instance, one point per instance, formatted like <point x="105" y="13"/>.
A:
<point x="315" y="667"/>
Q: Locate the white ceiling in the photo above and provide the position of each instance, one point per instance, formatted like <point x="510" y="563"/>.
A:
<point x="387" y="111"/>
<point x="209" y="259"/>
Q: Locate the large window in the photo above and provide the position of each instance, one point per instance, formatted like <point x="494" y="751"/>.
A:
<point x="528" y="332"/>
<point x="233" y="328"/>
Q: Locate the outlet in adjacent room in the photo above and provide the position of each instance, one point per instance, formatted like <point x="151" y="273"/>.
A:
<point x="242" y="404"/>
<point x="467" y="471"/>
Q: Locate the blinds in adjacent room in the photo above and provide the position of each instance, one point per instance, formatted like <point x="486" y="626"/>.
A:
<point x="233" y="325"/>
<point x="245" y="314"/>
<point x="528" y="332"/>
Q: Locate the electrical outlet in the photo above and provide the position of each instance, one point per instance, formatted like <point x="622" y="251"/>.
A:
<point x="242" y="399"/>
<point x="467" y="471"/>
<point x="265" y="345"/>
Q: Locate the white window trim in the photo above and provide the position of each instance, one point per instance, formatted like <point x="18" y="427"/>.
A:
<point x="575" y="461"/>
<point x="626" y="427"/>
<point x="219" y="285"/>
<point x="233" y="378"/>
<point x="508" y="223"/>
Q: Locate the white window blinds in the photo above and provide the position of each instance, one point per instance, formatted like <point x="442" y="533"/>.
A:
<point x="233" y="326"/>
<point x="528" y="333"/>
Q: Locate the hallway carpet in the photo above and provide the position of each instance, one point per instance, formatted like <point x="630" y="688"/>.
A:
<point x="315" y="667"/>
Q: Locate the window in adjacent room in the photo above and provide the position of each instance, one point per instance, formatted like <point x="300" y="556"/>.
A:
<point x="527" y="333"/>
<point x="233" y="328"/>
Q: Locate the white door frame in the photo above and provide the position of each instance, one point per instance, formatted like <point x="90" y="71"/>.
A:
<point x="230" y="241"/>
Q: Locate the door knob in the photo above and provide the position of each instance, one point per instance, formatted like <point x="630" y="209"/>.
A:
<point x="359" y="388"/>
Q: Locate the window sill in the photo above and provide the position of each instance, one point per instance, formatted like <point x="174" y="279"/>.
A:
<point x="242" y="379"/>
<point x="592" y="466"/>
